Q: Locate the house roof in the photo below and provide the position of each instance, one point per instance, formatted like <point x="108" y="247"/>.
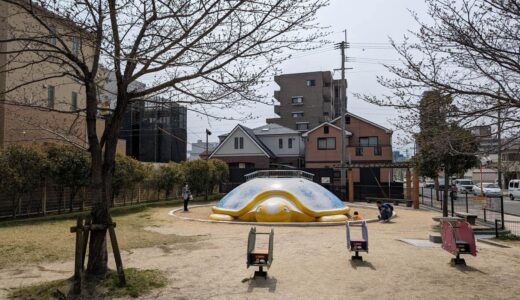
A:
<point x="274" y="129"/>
<point x="364" y="120"/>
<point x="250" y="133"/>
<point x="323" y="124"/>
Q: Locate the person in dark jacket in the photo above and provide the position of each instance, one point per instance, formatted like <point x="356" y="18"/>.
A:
<point x="186" y="195"/>
<point x="386" y="211"/>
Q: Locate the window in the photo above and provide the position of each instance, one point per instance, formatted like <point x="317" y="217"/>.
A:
<point x="347" y="119"/>
<point x="74" y="101"/>
<point x="297" y="100"/>
<point x="359" y="151"/>
<point x="370" y="141"/>
<point x="516" y="184"/>
<point x="289" y="143"/>
<point x="297" y="114"/>
<point x="311" y="82"/>
<point x="302" y="126"/>
<point x="75" y="46"/>
<point x="326" y="129"/>
<point x="52" y="36"/>
<point x="50" y="96"/>
<point x="239" y="143"/>
<point x="325" y="113"/>
<point x="328" y="143"/>
<point x="280" y="143"/>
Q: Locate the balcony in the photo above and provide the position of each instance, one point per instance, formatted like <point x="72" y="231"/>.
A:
<point x="277" y="109"/>
<point x="276" y="95"/>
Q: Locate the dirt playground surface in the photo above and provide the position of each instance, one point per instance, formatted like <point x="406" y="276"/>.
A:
<point x="309" y="263"/>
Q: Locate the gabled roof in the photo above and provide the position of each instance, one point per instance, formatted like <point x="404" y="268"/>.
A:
<point x="274" y="129"/>
<point x="364" y="120"/>
<point x="249" y="132"/>
<point x="323" y="124"/>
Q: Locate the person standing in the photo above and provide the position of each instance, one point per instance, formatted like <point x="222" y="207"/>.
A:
<point x="186" y="195"/>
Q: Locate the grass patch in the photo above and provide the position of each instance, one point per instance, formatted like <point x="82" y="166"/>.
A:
<point x="52" y="241"/>
<point x="508" y="237"/>
<point x="138" y="283"/>
<point x="116" y="211"/>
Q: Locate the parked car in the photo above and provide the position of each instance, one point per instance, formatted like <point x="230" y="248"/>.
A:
<point x="488" y="189"/>
<point x="514" y="189"/>
<point x="429" y="184"/>
<point x="464" y="186"/>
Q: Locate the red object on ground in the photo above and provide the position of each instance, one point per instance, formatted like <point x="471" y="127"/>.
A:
<point x="458" y="237"/>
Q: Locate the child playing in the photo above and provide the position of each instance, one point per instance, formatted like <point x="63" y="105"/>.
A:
<point x="357" y="216"/>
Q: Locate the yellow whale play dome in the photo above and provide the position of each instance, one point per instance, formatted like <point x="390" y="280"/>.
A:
<point x="280" y="200"/>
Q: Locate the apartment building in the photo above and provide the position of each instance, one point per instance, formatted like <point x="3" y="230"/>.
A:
<point x="306" y="100"/>
<point x="38" y="104"/>
<point x="155" y="131"/>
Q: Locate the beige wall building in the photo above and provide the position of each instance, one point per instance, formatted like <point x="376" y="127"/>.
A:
<point x="306" y="100"/>
<point x="38" y="102"/>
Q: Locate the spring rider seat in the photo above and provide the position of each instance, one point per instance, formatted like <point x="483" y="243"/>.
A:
<point x="457" y="238"/>
<point x="357" y="245"/>
<point x="259" y="256"/>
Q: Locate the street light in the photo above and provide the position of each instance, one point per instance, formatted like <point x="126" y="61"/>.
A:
<point x="208" y="133"/>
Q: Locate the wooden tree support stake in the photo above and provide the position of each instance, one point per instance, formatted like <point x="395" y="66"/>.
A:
<point x="117" y="254"/>
<point x="82" y="236"/>
<point x="78" y="259"/>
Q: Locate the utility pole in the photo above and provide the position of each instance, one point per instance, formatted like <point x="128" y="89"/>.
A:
<point x="343" y="110"/>
<point x="499" y="142"/>
<point x="208" y="133"/>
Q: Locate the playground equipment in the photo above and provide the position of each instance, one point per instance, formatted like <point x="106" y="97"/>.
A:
<point x="357" y="245"/>
<point x="259" y="256"/>
<point x="280" y="199"/>
<point x="457" y="239"/>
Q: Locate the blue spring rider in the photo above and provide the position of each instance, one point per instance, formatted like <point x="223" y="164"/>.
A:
<point x="357" y="245"/>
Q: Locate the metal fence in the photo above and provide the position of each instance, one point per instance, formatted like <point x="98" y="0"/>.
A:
<point x="512" y="227"/>
<point x="487" y="209"/>
<point x="52" y="199"/>
<point x="279" y="174"/>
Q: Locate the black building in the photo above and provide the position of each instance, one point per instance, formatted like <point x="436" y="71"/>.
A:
<point x="155" y="131"/>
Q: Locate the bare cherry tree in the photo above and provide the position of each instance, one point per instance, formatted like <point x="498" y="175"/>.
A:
<point x="468" y="50"/>
<point x="204" y="53"/>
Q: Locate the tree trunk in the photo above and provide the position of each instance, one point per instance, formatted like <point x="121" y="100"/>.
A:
<point x="71" y="199"/>
<point x="446" y="195"/>
<point x="436" y="187"/>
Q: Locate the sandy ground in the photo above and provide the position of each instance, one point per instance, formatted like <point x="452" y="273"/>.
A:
<point x="309" y="263"/>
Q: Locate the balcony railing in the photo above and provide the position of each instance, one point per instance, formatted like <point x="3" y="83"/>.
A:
<point x="280" y="174"/>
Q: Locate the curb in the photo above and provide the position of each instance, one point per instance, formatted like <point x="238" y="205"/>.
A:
<point x="493" y="243"/>
<point x="289" y="224"/>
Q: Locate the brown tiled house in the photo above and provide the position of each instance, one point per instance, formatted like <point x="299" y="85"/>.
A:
<point x="366" y="143"/>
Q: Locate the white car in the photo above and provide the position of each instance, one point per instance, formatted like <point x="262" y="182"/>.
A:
<point x="488" y="189"/>
<point x="514" y="189"/>
<point x="464" y="185"/>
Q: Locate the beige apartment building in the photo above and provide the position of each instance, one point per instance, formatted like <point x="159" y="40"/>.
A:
<point x="306" y="100"/>
<point x="38" y="104"/>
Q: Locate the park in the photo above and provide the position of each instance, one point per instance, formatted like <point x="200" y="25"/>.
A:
<point x="195" y="257"/>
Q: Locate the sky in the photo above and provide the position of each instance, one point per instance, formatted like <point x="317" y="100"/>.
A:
<point x="369" y="24"/>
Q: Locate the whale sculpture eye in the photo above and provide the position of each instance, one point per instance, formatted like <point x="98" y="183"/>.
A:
<point x="286" y="209"/>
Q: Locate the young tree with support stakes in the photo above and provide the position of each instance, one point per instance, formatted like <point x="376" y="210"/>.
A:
<point x="207" y="53"/>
